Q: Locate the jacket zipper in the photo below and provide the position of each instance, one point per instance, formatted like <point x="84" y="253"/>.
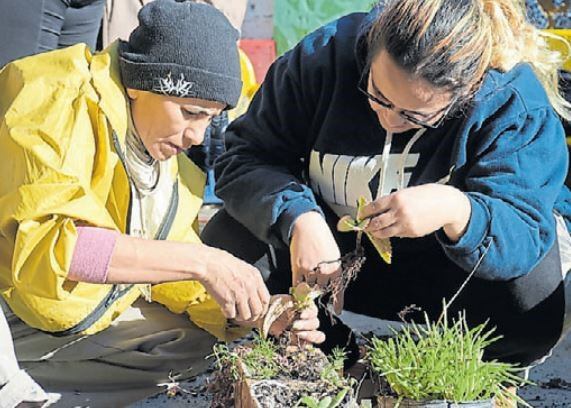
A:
<point x="116" y="292"/>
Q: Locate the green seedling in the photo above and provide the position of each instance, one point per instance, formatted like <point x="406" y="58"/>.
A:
<point x="225" y="358"/>
<point x="302" y="296"/>
<point x="260" y="362"/>
<point x="350" y="224"/>
<point x="326" y="402"/>
<point x="331" y="373"/>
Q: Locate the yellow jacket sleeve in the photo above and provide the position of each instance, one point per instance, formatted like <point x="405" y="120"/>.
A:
<point x="56" y="172"/>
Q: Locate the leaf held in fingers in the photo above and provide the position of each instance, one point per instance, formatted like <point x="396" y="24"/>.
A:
<point x="348" y="224"/>
<point x="383" y="247"/>
<point x="303" y="295"/>
<point x="361" y="203"/>
<point x="278" y="307"/>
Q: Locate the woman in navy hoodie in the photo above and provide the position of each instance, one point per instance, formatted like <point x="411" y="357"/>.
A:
<point x="443" y="114"/>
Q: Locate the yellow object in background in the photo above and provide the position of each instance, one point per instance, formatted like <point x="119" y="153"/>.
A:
<point x="249" y="86"/>
<point x="559" y="45"/>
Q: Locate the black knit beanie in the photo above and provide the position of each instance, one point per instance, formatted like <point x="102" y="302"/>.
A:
<point x="184" y="49"/>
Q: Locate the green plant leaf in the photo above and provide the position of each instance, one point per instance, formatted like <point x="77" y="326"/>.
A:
<point x="325" y="402"/>
<point x="346" y="224"/>
<point x="303" y="294"/>
<point x="309" y="402"/>
<point x="383" y="246"/>
<point x="338" y="398"/>
<point x="349" y="224"/>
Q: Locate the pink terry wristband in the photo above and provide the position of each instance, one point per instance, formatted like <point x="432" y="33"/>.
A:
<point x="92" y="254"/>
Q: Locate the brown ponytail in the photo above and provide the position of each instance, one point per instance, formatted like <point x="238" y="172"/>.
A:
<point x="452" y="43"/>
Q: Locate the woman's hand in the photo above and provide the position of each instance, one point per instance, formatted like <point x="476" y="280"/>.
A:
<point x="236" y="286"/>
<point x="418" y="211"/>
<point x="304" y="325"/>
<point x="312" y="243"/>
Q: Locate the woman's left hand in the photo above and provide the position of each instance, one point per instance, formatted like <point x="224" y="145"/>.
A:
<point x="304" y="325"/>
<point x="418" y="211"/>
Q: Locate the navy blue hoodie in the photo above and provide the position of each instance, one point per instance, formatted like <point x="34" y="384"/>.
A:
<point x="310" y="142"/>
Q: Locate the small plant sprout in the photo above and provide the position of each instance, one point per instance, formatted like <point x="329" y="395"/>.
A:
<point x="325" y="402"/>
<point x="173" y="387"/>
<point x="350" y="224"/>
<point x="261" y="362"/>
<point x="302" y="296"/>
<point x="441" y="361"/>
<point x="272" y="373"/>
<point x="333" y="371"/>
<point x="225" y="359"/>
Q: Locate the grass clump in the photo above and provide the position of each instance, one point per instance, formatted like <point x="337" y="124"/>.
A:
<point x="260" y="361"/>
<point x="225" y="360"/>
<point x="442" y="362"/>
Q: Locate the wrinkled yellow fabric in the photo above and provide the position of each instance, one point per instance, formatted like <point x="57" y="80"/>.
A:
<point x="59" y="167"/>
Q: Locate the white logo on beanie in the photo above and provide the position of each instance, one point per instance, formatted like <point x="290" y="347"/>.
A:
<point x="179" y="87"/>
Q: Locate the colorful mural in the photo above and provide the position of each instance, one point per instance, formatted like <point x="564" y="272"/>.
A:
<point x="293" y="19"/>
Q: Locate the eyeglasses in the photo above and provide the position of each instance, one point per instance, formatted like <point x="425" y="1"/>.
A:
<point x="408" y="117"/>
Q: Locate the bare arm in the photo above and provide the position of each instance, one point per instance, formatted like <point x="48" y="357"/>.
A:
<point x="137" y="260"/>
<point x="235" y="285"/>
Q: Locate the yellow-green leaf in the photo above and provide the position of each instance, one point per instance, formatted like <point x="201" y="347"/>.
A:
<point x="383" y="246"/>
<point x="346" y="224"/>
<point x="303" y="294"/>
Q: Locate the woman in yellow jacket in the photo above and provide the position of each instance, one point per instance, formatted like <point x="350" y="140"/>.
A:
<point x="97" y="204"/>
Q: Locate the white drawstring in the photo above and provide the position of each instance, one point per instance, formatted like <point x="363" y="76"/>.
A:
<point x="386" y="157"/>
<point x="385" y="162"/>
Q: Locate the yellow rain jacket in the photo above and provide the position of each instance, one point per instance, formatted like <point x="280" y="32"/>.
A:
<point x="63" y="120"/>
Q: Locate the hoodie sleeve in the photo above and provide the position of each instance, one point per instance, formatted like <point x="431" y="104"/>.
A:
<point x="47" y="185"/>
<point x="563" y="206"/>
<point x="259" y="176"/>
<point x="513" y="185"/>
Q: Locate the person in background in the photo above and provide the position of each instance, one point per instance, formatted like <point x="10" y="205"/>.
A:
<point x="120" y="16"/>
<point x="98" y="219"/>
<point x="30" y="27"/>
<point x="442" y="115"/>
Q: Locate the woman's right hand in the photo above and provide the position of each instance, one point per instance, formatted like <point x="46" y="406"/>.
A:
<point x="312" y="244"/>
<point x="236" y="286"/>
